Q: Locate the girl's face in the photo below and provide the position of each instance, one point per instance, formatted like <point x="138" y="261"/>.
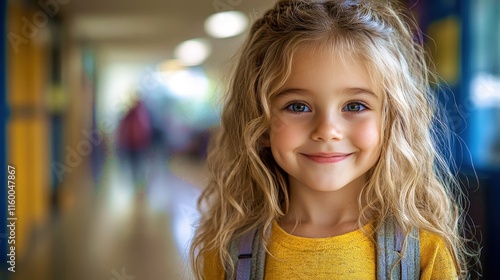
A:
<point x="326" y="122"/>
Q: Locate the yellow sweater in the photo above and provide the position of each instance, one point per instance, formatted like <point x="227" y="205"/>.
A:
<point x="348" y="256"/>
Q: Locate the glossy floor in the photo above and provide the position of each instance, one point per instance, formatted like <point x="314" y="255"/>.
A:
<point x="120" y="231"/>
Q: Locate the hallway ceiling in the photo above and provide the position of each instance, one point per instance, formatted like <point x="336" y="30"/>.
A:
<point x="149" y="30"/>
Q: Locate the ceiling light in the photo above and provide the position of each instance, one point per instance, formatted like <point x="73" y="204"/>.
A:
<point x="226" y="24"/>
<point x="193" y="52"/>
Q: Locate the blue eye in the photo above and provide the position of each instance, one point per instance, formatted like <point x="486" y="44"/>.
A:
<point x="298" y="108"/>
<point x="354" y="107"/>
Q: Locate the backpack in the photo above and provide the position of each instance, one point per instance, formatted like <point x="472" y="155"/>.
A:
<point x="249" y="254"/>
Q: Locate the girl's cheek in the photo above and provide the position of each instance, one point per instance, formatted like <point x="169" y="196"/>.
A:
<point x="367" y="134"/>
<point x="286" y="131"/>
<point x="282" y="124"/>
<point x="277" y="124"/>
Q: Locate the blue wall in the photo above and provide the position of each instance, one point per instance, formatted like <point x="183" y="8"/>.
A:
<point x="3" y="147"/>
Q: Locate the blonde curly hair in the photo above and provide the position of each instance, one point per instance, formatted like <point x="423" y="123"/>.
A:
<point x="411" y="180"/>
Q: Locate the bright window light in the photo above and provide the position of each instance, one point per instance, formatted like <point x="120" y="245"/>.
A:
<point x="186" y="83"/>
<point x="486" y="90"/>
<point x="193" y="52"/>
<point x="226" y="24"/>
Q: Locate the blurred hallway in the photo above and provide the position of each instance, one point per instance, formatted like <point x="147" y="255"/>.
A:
<point x="121" y="231"/>
<point x="105" y="208"/>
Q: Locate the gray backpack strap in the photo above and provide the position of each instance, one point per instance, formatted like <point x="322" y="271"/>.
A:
<point x="244" y="265"/>
<point x="390" y="243"/>
<point x="249" y="255"/>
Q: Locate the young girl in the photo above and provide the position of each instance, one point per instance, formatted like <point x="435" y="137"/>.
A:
<point x="326" y="134"/>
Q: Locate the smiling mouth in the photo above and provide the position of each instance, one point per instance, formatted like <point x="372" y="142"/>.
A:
<point x="327" y="158"/>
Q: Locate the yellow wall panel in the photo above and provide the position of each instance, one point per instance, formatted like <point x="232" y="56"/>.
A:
<point x="20" y="149"/>
<point x="28" y="128"/>
<point x="28" y="142"/>
<point x="19" y="56"/>
<point x="446" y="36"/>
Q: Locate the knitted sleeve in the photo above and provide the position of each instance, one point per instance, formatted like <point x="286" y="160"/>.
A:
<point x="436" y="261"/>
<point x="212" y="267"/>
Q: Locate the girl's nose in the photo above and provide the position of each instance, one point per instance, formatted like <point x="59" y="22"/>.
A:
<point x="327" y="128"/>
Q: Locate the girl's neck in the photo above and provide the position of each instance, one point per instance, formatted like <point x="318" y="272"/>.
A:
<point x="323" y="214"/>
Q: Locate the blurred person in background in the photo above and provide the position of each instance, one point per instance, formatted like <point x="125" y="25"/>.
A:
<point x="134" y="136"/>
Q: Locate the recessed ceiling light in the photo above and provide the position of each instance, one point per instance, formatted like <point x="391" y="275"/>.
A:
<point x="193" y="52"/>
<point x="226" y="24"/>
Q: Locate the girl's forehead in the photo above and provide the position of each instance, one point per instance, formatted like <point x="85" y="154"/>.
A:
<point x="351" y="52"/>
<point x="309" y="57"/>
<point x="310" y="53"/>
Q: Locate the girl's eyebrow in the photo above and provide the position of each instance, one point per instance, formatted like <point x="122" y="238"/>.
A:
<point x="360" y="90"/>
<point x="288" y="91"/>
<point x="347" y="91"/>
